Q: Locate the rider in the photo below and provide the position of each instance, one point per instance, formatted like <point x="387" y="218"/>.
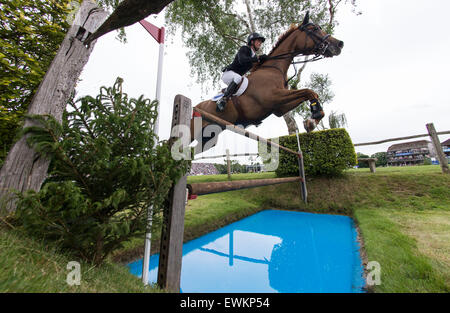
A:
<point x="243" y="62"/>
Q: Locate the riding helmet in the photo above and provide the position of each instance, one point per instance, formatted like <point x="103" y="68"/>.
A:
<point x="254" y="36"/>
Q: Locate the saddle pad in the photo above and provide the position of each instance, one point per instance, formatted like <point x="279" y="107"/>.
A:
<point x="240" y="91"/>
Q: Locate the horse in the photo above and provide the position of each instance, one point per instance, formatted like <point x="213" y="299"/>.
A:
<point x="267" y="91"/>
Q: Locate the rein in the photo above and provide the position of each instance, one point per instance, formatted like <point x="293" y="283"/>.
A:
<point x="321" y="45"/>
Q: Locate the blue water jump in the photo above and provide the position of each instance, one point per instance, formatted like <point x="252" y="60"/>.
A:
<point x="269" y="252"/>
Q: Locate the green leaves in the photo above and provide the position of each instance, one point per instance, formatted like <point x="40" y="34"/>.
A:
<point x="31" y="32"/>
<point x="106" y="170"/>
<point x="213" y="30"/>
<point x="326" y="153"/>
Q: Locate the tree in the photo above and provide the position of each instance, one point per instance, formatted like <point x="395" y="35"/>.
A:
<point x="362" y="156"/>
<point x="221" y="168"/>
<point x="381" y="158"/>
<point x="31" y="32"/>
<point x="126" y="13"/>
<point x="103" y="176"/>
<point x="321" y="84"/>
<point x="23" y="168"/>
<point x="214" y="29"/>
<point x="337" y="120"/>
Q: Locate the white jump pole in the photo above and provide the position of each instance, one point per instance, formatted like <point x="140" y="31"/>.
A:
<point x="158" y="34"/>
<point x="159" y="80"/>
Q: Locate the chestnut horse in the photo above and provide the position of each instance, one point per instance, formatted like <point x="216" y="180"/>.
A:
<point x="267" y="91"/>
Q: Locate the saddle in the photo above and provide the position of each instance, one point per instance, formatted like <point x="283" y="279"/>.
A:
<point x="242" y="87"/>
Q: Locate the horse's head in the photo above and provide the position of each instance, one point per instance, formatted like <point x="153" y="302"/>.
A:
<point x="319" y="43"/>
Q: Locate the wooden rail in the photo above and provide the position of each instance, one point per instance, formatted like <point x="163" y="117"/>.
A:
<point x="214" y="119"/>
<point x="224" y="156"/>
<point x="432" y="133"/>
<point x="398" y="138"/>
<point x="216" y="187"/>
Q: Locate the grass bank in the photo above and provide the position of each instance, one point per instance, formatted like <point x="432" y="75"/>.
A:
<point x="403" y="215"/>
<point x="31" y="266"/>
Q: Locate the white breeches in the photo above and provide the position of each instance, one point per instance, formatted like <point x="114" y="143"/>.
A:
<point x="230" y="76"/>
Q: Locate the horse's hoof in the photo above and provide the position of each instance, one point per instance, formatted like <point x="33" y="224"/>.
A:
<point x="309" y="125"/>
<point x="318" y="115"/>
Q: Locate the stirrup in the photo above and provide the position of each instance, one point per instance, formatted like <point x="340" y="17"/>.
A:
<point x="220" y="104"/>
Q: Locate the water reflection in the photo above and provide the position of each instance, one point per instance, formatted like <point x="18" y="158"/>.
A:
<point x="272" y="251"/>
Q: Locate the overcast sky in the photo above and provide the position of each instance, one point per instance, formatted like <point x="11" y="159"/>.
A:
<point x="390" y="80"/>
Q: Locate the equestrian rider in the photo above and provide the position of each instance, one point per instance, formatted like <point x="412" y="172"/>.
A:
<point x="243" y="62"/>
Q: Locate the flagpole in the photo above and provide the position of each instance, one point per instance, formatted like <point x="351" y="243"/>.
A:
<point x="158" y="34"/>
<point x="159" y="80"/>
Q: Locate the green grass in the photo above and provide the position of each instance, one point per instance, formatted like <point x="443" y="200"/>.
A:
<point x="403" y="215"/>
<point x="27" y="265"/>
<point x="404" y="268"/>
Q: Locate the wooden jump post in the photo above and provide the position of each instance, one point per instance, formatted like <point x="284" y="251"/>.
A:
<point x="169" y="271"/>
<point x="438" y="148"/>
<point x="170" y="260"/>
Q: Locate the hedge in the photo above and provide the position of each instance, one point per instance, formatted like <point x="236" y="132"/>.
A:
<point x="325" y="153"/>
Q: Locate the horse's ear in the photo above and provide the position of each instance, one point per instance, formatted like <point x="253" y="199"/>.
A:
<point x="306" y="19"/>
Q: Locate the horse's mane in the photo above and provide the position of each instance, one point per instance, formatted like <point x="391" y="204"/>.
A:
<point x="282" y="37"/>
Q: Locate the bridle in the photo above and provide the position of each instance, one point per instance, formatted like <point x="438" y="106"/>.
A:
<point x="321" y="44"/>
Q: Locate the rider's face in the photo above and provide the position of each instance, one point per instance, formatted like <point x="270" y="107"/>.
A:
<point x="257" y="44"/>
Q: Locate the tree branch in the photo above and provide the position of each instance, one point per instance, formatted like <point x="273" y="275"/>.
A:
<point x="250" y="16"/>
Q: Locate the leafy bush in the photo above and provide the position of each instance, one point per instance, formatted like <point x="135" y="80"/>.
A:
<point x="221" y="168"/>
<point x="105" y="172"/>
<point x="325" y="153"/>
<point x="427" y="161"/>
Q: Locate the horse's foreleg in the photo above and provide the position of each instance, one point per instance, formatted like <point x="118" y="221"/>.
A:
<point x="286" y="100"/>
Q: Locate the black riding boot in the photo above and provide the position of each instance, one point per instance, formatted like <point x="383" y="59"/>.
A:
<point x="316" y="110"/>
<point x="231" y="89"/>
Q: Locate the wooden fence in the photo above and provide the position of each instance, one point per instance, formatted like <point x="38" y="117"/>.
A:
<point x="434" y="139"/>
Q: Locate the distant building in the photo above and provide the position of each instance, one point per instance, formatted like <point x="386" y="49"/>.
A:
<point x="409" y="153"/>
<point x="254" y="168"/>
<point x="446" y="147"/>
